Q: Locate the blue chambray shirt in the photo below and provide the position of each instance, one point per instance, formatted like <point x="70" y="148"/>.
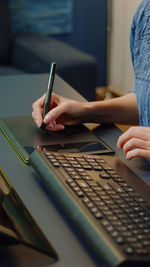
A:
<point x="140" y="53"/>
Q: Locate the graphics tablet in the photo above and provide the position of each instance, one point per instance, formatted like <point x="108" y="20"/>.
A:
<point x="25" y="137"/>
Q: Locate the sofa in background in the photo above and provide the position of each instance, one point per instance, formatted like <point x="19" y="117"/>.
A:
<point x="33" y="53"/>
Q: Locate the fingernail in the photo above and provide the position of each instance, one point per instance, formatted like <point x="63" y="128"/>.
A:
<point x="50" y="126"/>
<point x="38" y="123"/>
<point x="61" y="127"/>
<point x="46" y="119"/>
<point x="54" y="123"/>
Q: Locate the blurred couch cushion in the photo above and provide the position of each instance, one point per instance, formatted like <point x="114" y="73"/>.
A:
<point x="8" y="70"/>
<point x="4" y="32"/>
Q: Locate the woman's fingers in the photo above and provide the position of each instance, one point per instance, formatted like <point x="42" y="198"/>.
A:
<point x="134" y="132"/>
<point x="55" y="113"/>
<point x="138" y="153"/>
<point x="38" y="110"/>
<point x="135" y="142"/>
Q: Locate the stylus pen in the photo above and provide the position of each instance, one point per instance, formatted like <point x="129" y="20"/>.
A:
<point x="49" y="92"/>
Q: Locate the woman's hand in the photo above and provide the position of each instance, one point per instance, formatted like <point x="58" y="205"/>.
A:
<point x="135" y="142"/>
<point x="62" y="112"/>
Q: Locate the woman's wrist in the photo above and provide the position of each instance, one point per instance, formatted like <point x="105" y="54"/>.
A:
<point x="91" y="112"/>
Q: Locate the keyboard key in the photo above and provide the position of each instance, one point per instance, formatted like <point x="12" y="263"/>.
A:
<point x="119" y="240"/>
<point x="98" y="215"/>
<point x="106" y="166"/>
<point x="129" y="250"/>
<point x="142" y="251"/>
<point x="104" y="174"/>
<point x="80" y="193"/>
<point x="82" y="183"/>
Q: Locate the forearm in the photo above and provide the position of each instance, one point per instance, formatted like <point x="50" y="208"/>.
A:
<point x="67" y="112"/>
<point x="118" y="110"/>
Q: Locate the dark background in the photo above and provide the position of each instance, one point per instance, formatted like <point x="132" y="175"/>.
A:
<point x="90" y="31"/>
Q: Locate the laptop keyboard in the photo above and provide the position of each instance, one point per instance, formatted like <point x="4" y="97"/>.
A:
<point x="111" y="203"/>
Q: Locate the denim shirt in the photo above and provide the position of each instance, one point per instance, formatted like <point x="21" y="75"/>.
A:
<point x="140" y="53"/>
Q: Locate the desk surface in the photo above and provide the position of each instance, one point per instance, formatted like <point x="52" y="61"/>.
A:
<point x="17" y="94"/>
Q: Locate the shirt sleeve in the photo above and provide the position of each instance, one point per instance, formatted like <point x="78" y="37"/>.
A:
<point x="140" y="52"/>
<point x="141" y="43"/>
